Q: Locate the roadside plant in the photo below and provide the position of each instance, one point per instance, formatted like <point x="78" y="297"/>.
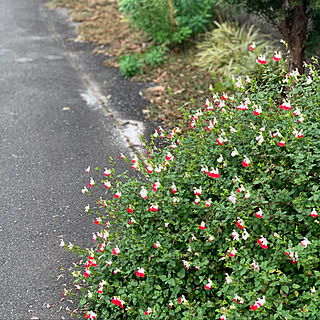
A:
<point x="130" y="65"/>
<point x="222" y="223"/>
<point x="225" y="52"/>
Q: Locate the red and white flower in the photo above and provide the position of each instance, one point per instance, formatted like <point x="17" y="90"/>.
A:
<point x="173" y="188"/>
<point x="182" y="300"/>
<point x="140" y="273"/>
<point x="169" y="156"/>
<point x="117" y="195"/>
<point x="247" y="195"/>
<point x="131" y="221"/>
<point x="285" y="105"/>
<point x="197" y="191"/>
<point x="228" y="279"/>
<point x="232" y="252"/>
<point x="171" y="304"/>
<point x="255" y="265"/>
<point x="208" y="203"/>
<point x="208" y="285"/>
<point x="305" y="242"/>
<point x="156" y="185"/>
<point x="87" y="273"/>
<point x="101" y="284"/>
<point x="166" y="225"/>
<point x="84" y="190"/>
<point x="193" y="237"/>
<point x="246" y="161"/>
<point x="261" y="59"/>
<point x="210" y="238"/>
<point x="153" y="207"/>
<point x="239" y="223"/>
<point x="211" y="124"/>
<point x="258" y="303"/>
<point x="277" y="56"/>
<point x="109" y="263"/>
<point x="296" y="112"/>
<point x="220" y="141"/>
<point x="88" y="170"/>
<point x="235" y="235"/>
<point x="238" y="299"/>
<point x="252" y="46"/>
<point x="107" y="172"/>
<point x="143" y="193"/>
<point x="214" y="173"/>
<point x="257" y="111"/>
<point x="186" y="264"/>
<point x="259" y="213"/>
<point x="263" y="242"/>
<point x="314" y="213"/>
<point x="202" y="226"/>
<point x="281" y="143"/>
<point x="157" y="245"/>
<point x="313" y="290"/>
<point x="241" y="188"/>
<point x="107" y="184"/>
<point x="91" y="183"/>
<point x="129" y="209"/>
<point x="90" y="315"/>
<point x="117" y="301"/>
<point x="149" y="168"/>
<point x="116" y="250"/>
<point x="98" y="221"/>
<point x="197" y="200"/>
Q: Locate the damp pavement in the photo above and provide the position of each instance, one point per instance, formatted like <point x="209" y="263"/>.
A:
<point x="60" y="111"/>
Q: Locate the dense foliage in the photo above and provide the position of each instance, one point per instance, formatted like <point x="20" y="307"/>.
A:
<point x="223" y="222"/>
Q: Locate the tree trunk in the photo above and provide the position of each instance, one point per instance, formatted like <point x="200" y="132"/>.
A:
<point x="294" y="29"/>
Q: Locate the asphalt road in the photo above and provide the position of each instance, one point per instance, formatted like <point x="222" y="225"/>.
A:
<point x="55" y="120"/>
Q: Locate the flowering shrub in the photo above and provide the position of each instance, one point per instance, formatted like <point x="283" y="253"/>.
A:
<point x="223" y="222"/>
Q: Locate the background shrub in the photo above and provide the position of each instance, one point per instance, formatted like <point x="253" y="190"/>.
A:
<point x="185" y="237"/>
<point x="169" y="21"/>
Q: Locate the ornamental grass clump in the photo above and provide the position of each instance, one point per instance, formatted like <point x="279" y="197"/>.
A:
<point x="223" y="222"/>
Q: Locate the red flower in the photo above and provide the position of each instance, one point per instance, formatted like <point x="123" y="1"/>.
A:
<point x="246" y="162"/>
<point x="214" y="173"/>
<point x="261" y="59"/>
<point x="202" y="226"/>
<point x="220" y="141"/>
<point x="251" y="47"/>
<point x="263" y="242"/>
<point x="277" y="56"/>
<point x="208" y="285"/>
<point x="116" y="250"/>
<point x="173" y="188"/>
<point x="281" y="143"/>
<point x="129" y="209"/>
<point x="91" y="183"/>
<point x="259" y="213"/>
<point x="314" y="213"/>
<point x="140" y="273"/>
<point x="156" y="186"/>
<point x="107" y="172"/>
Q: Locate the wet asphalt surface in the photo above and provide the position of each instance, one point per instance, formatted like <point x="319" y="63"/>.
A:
<point x="55" y="120"/>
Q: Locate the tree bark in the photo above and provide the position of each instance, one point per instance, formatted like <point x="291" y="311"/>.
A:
<point x="294" y="29"/>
